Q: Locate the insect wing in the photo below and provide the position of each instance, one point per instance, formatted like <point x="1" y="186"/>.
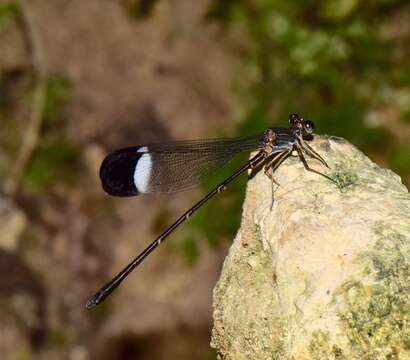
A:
<point x="168" y="167"/>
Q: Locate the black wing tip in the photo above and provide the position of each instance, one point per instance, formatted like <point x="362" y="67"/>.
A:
<point x="117" y="172"/>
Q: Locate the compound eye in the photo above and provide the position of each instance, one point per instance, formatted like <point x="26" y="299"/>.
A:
<point x="308" y="126"/>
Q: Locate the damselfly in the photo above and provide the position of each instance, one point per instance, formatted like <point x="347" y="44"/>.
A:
<point x="176" y="166"/>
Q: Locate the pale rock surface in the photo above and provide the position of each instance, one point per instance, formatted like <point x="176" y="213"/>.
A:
<point x="325" y="273"/>
<point x="12" y="223"/>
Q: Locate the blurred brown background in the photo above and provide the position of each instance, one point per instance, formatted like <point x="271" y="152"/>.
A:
<point x="81" y="78"/>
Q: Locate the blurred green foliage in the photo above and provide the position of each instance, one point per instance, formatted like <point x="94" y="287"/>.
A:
<point x="53" y="163"/>
<point x="8" y="12"/>
<point x="57" y="338"/>
<point x="399" y="158"/>
<point x="329" y="60"/>
<point x="139" y="8"/>
<point x="338" y="62"/>
<point x="190" y="250"/>
<point x="55" y="160"/>
<point x="58" y="93"/>
<point x="212" y="354"/>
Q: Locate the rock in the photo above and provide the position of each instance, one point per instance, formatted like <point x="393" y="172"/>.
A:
<point x="13" y="221"/>
<point x="325" y="273"/>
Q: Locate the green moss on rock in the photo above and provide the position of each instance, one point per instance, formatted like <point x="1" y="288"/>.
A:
<point x="376" y="309"/>
<point x="321" y="348"/>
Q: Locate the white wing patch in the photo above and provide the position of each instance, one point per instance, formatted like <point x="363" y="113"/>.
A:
<point x="142" y="171"/>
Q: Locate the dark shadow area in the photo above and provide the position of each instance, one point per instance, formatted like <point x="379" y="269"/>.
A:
<point x="181" y="344"/>
<point x="18" y="280"/>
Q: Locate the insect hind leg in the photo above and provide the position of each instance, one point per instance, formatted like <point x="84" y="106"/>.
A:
<point x="271" y="165"/>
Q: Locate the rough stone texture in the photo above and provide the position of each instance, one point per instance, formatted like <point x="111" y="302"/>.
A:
<point x="325" y="274"/>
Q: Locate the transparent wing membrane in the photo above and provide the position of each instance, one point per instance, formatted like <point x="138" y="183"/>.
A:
<point x="169" y="167"/>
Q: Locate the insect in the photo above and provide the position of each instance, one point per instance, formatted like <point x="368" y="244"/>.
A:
<point x="176" y="166"/>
